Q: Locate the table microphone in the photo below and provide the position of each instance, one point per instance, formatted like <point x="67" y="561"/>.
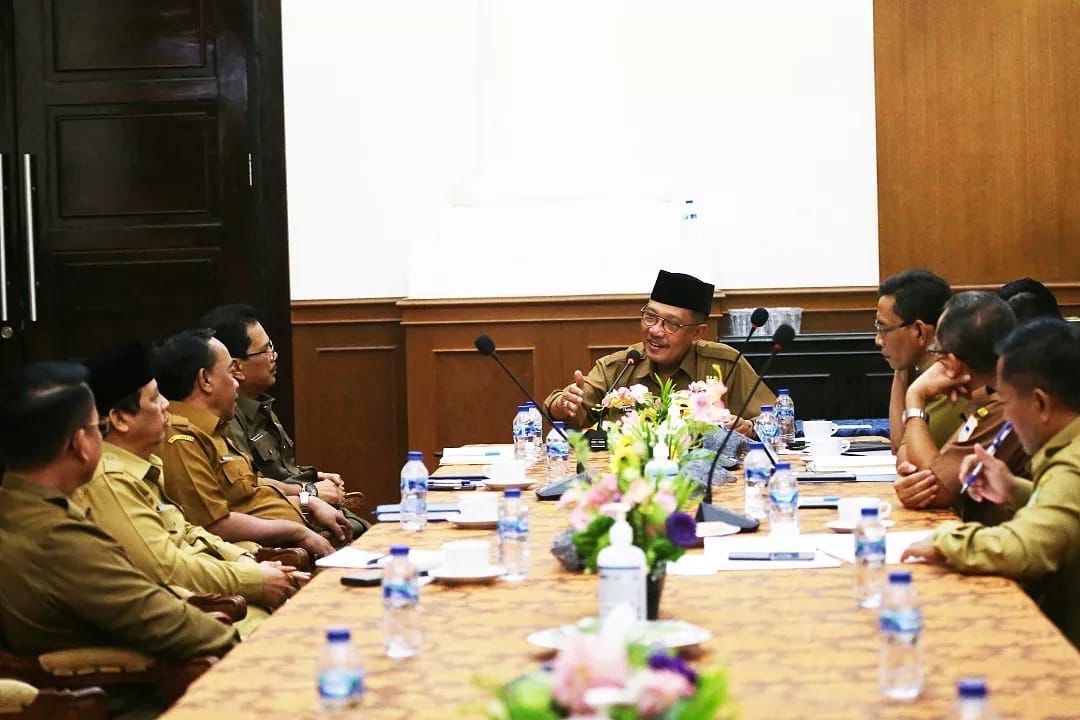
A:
<point x="706" y="510"/>
<point x="758" y="318"/>
<point x="598" y="438"/>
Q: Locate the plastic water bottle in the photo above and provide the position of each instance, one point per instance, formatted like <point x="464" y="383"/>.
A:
<point x="622" y="568"/>
<point x="401" y="605"/>
<point x="768" y="430"/>
<point x="758" y="470"/>
<point x="661" y="466"/>
<point x="900" y="671"/>
<point x="785" y="417"/>
<point x="514" y="535"/>
<point x="535" y="428"/>
<point x="783" y="501"/>
<point x="869" y="559"/>
<point x="558" y="455"/>
<point x="339" y="673"/>
<point x="414" y="487"/>
<point x="521" y="433"/>
<point x="689" y="227"/>
<point x="971" y="700"/>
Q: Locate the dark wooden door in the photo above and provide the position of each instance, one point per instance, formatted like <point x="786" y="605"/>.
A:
<point x="131" y="171"/>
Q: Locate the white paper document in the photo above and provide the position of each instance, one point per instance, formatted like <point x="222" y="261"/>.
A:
<point x="717" y="549"/>
<point x="349" y="557"/>
<point x="476" y="454"/>
<point x="842" y="546"/>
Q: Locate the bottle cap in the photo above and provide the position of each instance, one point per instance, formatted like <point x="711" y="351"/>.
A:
<point x="399" y="550"/>
<point x="559" y="424"/>
<point x="416" y="455"/>
<point x="971" y="688"/>
<point x="869" y="512"/>
<point x="783" y="466"/>
<point x="512" y="492"/>
<point x="766" y="408"/>
<point x="523" y="408"/>
<point x="530" y="404"/>
<point x="757" y="446"/>
<point x="783" y="391"/>
<point x="900" y="577"/>
<point x="338" y="634"/>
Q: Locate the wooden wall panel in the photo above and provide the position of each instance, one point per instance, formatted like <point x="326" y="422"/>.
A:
<point x="978" y="122"/>
<point x="349" y="362"/>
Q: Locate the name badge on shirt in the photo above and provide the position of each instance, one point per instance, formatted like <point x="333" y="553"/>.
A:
<point x="968" y="428"/>
<point x="227" y="458"/>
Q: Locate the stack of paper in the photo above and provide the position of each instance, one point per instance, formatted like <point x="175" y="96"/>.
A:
<point x="872" y="467"/>
<point x="843" y="546"/>
<point x="717" y="549"/>
<point x="476" y="454"/>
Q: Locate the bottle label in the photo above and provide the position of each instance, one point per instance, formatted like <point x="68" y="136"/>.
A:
<point x="784" y="496"/>
<point x="558" y="451"/>
<point x="514" y="528"/>
<point x="622" y="585"/>
<point x="871" y="550"/>
<point x="414" y="484"/>
<point x="400" y="594"/>
<point x="337" y="684"/>
<point x="758" y="475"/>
<point x="903" y="621"/>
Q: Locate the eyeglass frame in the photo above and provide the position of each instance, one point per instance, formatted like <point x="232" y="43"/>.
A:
<point x="665" y="323"/>
<point x="269" y="349"/>
<point x="883" y="330"/>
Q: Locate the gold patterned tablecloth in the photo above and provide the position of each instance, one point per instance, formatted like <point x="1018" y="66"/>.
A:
<point x="794" y="643"/>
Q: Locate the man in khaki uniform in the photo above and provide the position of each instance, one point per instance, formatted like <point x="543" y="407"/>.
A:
<point x="255" y="428"/>
<point x="64" y="583"/>
<point x="673" y="327"/>
<point x="908" y="309"/>
<point x="1040" y="546"/>
<point x="207" y="474"/>
<point x="128" y="502"/>
<point x="970" y="327"/>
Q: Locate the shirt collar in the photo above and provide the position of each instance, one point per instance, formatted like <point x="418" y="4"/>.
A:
<point x="981" y="397"/>
<point x="198" y="416"/>
<point x="17" y="482"/>
<point x="132" y="463"/>
<point x="1064" y="437"/>
<point x="646" y="369"/>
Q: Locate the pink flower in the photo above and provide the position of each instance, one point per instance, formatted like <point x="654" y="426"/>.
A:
<point x="638" y="492"/>
<point x="658" y="691"/>
<point x="590" y="661"/>
<point x="666" y="500"/>
<point x="580" y="518"/>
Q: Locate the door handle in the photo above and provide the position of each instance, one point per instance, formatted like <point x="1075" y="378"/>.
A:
<point x="3" y="246"/>
<point x="31" y="271"/>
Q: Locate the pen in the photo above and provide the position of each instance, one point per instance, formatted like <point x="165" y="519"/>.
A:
<point x="992" y="450"/>
<point x="778" y="555"/>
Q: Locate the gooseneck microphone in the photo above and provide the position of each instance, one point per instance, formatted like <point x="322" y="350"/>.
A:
<point x="597" y="437"/>
<point x="486" y="346"/>
<point x="758" y="318"/>
<point x="706" y="510"/>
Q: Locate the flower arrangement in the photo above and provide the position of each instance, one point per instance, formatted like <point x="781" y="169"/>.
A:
<point x="601" y="676"/>
<point x="675" y="420"/>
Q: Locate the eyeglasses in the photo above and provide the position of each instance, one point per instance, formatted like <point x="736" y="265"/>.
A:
<point x="937" y="351"/>
<point x="102" y="425"/>
<point x="269" y="349"/>
<point x="649" y="319"/>
<point x="883" y="330"/>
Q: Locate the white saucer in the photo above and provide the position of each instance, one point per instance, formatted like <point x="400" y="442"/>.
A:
<point x="715" y="528"/>
<point x="840" y="527"/>
<point x="523" y="484"/>
<point x="669" y="633"/>
<point x="457" y="521"/>
<point x="481" y="575"/>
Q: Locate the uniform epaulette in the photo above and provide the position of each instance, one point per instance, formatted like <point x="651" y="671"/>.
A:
<point x="181" y="436"/>
<point x="111" y="464"/>
<point x="716" y="350"/>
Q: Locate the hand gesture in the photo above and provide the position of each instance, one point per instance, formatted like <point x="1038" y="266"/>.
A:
<point x="331" y="519"/>
<point x="573" y="397"/>
<point x="995" y="483"/>
<point x="923" y="550"/>
<point x="915" y="488"/>
<point x="277" y="587"/>
<point x="938" y="380"/>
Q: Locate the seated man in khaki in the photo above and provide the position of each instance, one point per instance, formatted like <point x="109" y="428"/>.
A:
<point x="972" y="324"/>
<point x="908" y="309"/>
<point x="207" y="474"/>
<point x="673" y="327"/>
<point x="64" y="582"/>
<point x="127" y="501"/>
<point x="255" y="428"/>
<point x="1039" y="386"/>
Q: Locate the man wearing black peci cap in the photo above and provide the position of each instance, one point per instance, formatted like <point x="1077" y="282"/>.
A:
<point x="673" y="327"/>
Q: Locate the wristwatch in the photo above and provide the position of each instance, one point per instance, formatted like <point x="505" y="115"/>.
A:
<point x="914" y="413"/>
<point x="312" y="489"/>
<point x="305" y="498"/>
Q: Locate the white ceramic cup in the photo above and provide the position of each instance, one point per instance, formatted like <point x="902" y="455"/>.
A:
<point x="506" y="471"/>
<point x="478" y="506"/>
<point x="815" y="429"/>
<point x="464" y="556"/>
<point x="829" y="446"/>
<point x="849" y="509"/>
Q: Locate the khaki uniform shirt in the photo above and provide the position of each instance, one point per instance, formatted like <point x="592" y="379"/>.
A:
<point x="984" y="416"/>
<point x="209" y="476"/>
<point x="128" y="502"/>
<point x="1040" y="545"/>
<point x="945" y="418"/>
<point x="259" y="434"/>
<point x="696" y="365"/>
<point x="64" y="583"/>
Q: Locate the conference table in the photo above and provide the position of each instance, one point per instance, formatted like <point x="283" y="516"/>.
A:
<point x="794" y="643"/>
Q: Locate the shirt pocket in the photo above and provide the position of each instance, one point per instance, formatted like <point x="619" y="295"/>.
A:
<point x="172" y="518"/>
<point x="240" y="481"/>
<point x="264" y="447"/>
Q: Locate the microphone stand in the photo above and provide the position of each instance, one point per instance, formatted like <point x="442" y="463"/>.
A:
<point x="598" y="438"/>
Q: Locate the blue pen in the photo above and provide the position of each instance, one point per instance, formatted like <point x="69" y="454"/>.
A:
<point x="992" y="450"/>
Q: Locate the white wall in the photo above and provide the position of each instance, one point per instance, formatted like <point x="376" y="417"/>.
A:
<point x="471" y="148"/>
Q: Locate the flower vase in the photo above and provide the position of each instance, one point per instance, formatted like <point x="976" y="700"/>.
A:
<point x="654" y="588"/>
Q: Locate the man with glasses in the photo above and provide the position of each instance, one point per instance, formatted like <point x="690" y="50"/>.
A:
<point x="208" y="475"/>
<point x="255" y="428"/>
<point x="971" y="326"/>
<point x="64" y="582"/>
<point x="908" y="308"/>
<point x="673" y="326"/>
